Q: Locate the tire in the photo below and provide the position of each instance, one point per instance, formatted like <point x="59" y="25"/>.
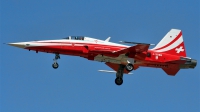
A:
<point x="55" y="65"/>
<point x="129" y="67"/>
<point x="118" y="81"/>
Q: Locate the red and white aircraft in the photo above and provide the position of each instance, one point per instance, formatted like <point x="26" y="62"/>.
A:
<point x="169" y="54"/>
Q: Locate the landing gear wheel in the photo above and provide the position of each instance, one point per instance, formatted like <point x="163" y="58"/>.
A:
<point x="55" y="65"/>
<point x="118" y="81"/>
<point x="129" y="67"/>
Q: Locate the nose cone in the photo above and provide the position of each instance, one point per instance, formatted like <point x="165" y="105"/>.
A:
<point x="19" y="44"/>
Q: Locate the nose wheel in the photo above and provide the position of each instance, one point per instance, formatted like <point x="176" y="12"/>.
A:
<point x="55" y="65"/>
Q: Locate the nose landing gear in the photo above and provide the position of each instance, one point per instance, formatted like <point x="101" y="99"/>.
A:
<point x="55" y="65"/>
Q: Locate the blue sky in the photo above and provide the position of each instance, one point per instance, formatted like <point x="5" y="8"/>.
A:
<point x="30" y="84"/>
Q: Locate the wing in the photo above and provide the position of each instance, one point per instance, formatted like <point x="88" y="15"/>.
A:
<point x="135" y="51"/>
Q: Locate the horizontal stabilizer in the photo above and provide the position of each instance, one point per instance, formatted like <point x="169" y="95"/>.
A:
<point x="108" y="71"/>
<point x="135" y="43"/>
<point x="172" y="71"/>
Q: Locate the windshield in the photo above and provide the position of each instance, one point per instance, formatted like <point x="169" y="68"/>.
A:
<point x="77" y="37"/>
<point x="66" y="38"/>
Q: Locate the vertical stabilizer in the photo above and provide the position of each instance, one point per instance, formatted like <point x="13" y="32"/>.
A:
<point x="172" y="43"/>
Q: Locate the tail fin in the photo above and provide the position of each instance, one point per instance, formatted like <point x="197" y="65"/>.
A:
<point x="172" y="43"/>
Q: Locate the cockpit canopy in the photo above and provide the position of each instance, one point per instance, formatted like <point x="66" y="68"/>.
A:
<point x="83" y="38"/>
<point x="75" y="38"/>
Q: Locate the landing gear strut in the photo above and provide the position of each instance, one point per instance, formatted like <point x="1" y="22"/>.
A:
<point x="55" y="65"/>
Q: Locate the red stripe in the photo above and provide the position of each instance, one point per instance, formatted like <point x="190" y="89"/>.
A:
<point x="179" y="35"/>
<point x="63" y="43"/>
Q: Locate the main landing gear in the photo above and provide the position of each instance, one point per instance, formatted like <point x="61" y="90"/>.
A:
<point x="119" y="75"/>
<point x="55" y="65"/>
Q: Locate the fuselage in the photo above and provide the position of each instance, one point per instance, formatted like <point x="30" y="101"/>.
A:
<point x="169" y="54"/>
<point x="104" y="51"/>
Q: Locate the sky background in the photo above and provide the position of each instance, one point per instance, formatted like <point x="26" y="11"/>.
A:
<point x="30" y="84"/>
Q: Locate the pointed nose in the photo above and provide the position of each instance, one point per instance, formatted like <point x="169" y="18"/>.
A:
<point x="19" y="44"/>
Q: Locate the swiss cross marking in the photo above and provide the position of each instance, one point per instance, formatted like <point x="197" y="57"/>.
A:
<point x="178" y="50"/>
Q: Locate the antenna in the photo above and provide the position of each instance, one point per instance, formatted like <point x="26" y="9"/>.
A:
<point x="108" y="39"/>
